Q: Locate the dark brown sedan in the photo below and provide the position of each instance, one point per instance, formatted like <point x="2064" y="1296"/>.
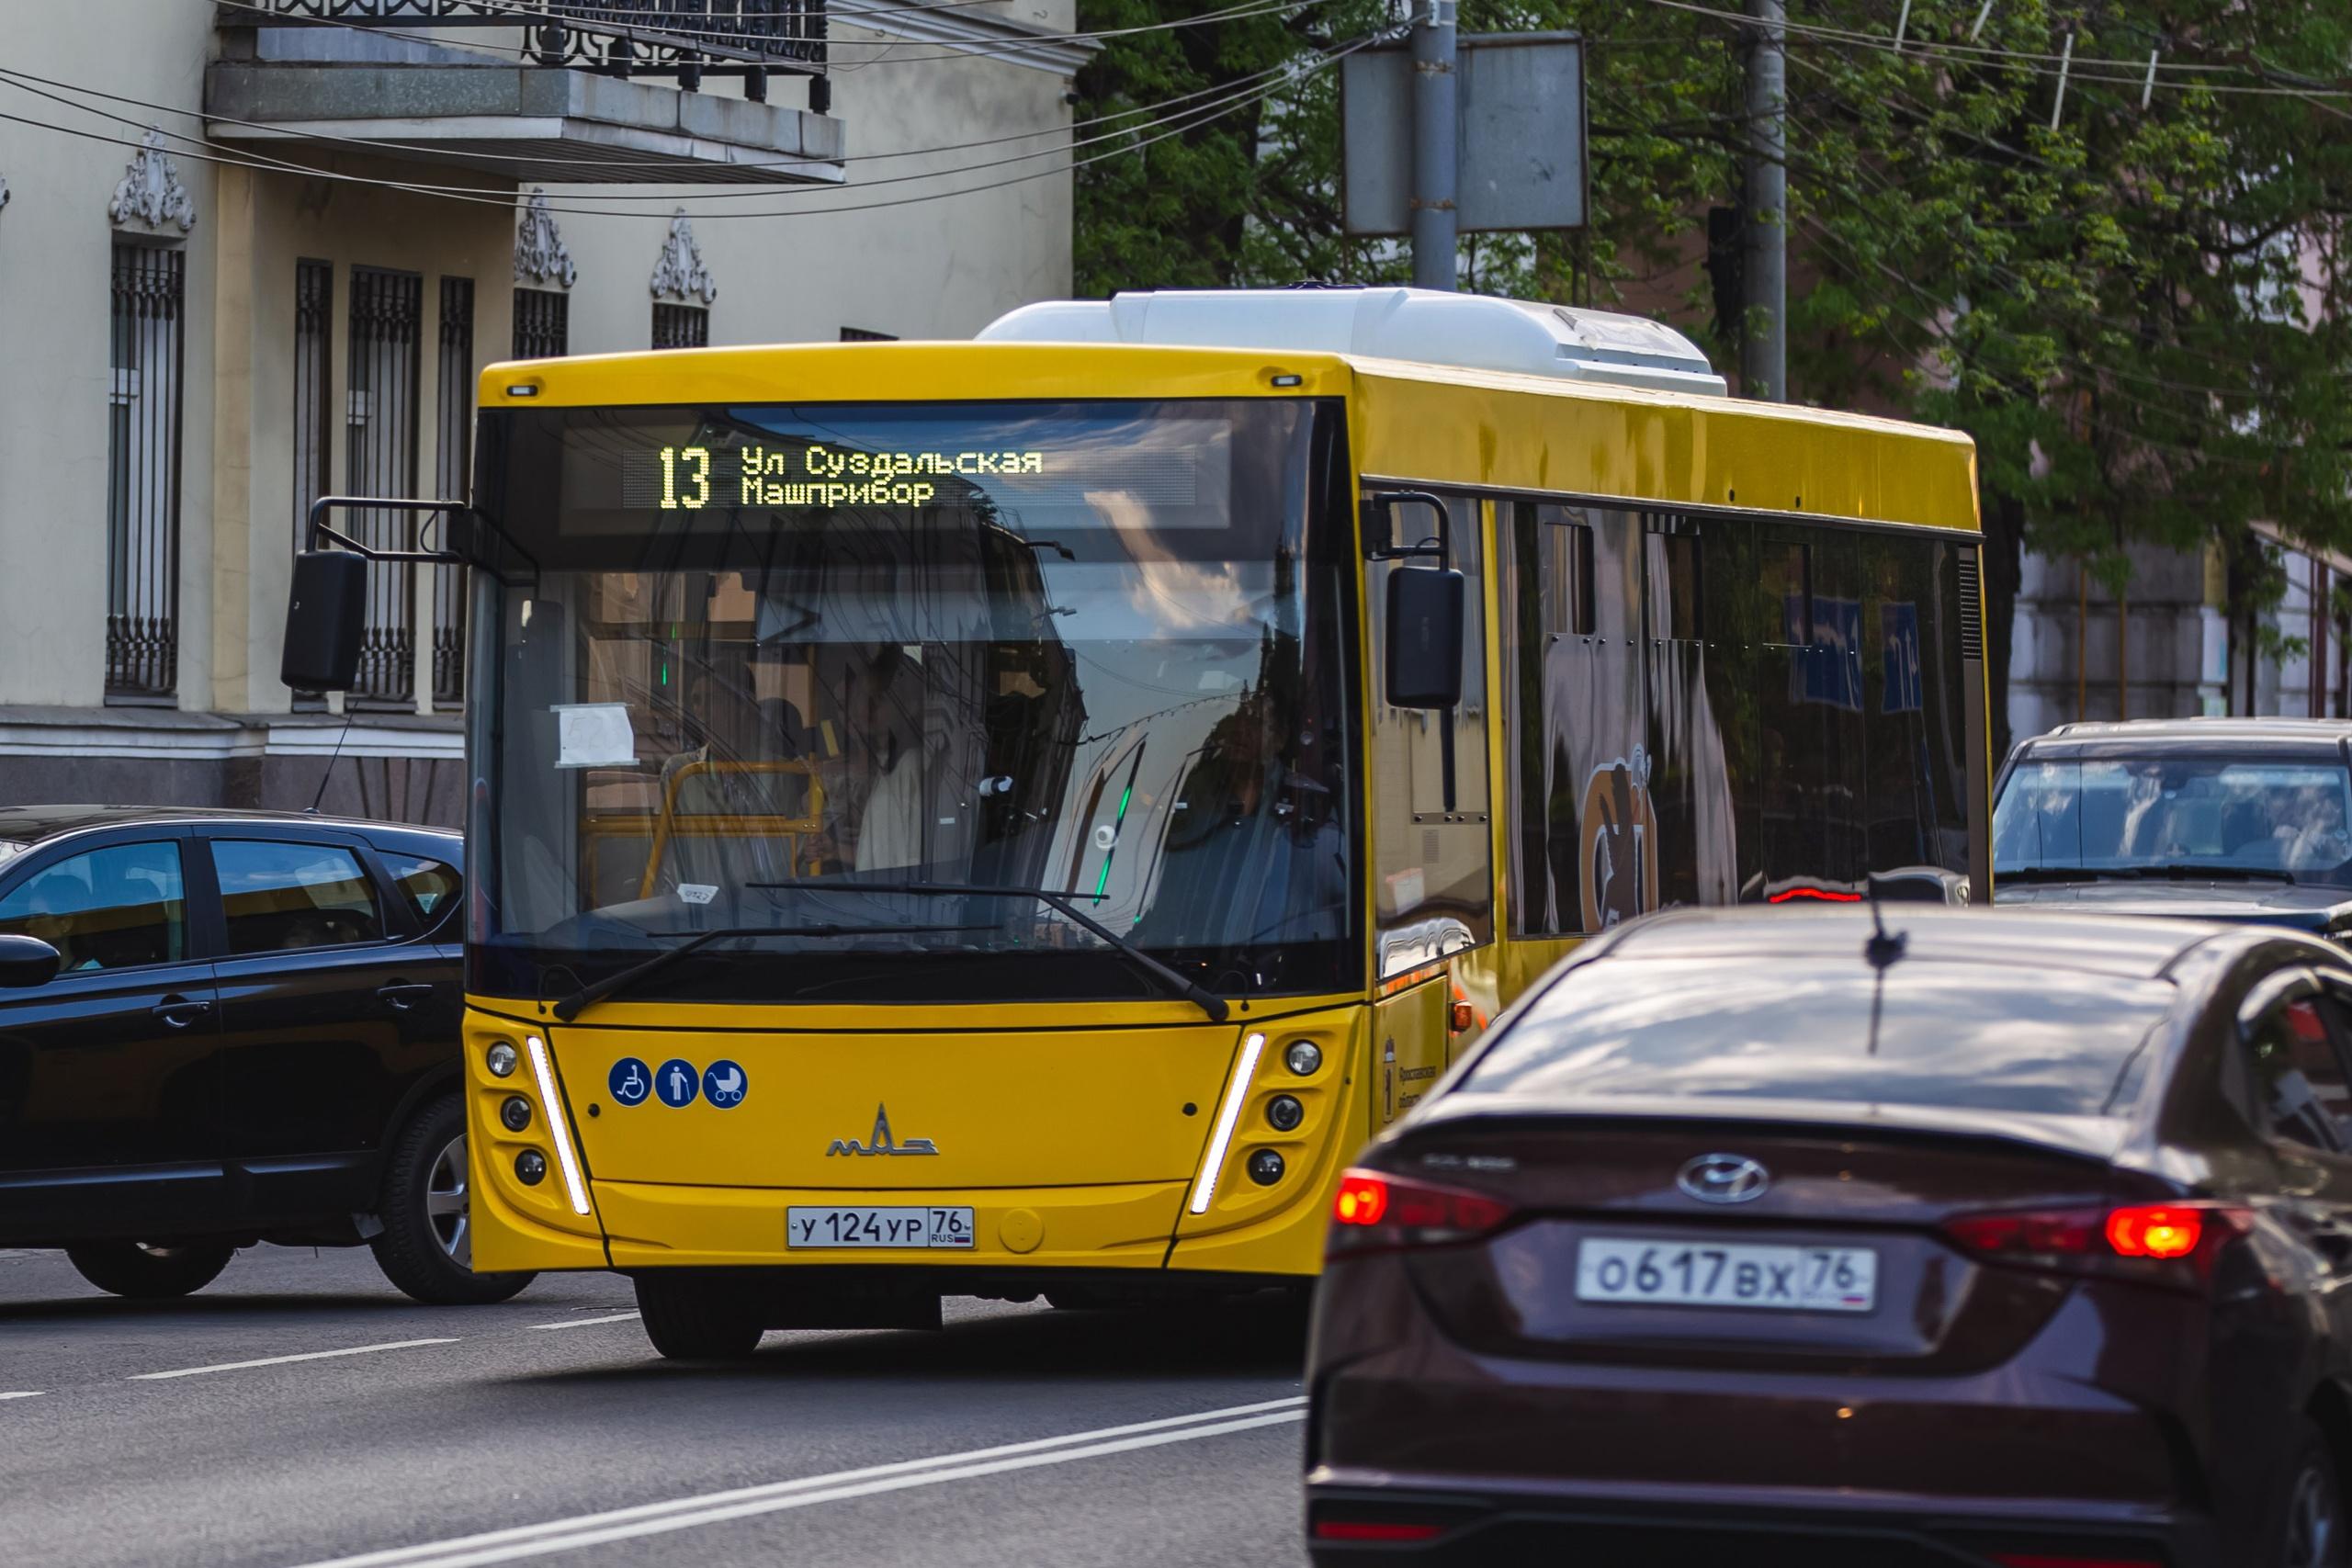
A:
<point x="2003" y="1239"/>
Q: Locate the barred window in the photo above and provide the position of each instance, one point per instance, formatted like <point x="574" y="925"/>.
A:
<point x="542" y="323"/>
<point x="383" y="354"/>
<point x="146" y="350"/>
<point x="453" y="471"/>
<point x="681" y="326"/>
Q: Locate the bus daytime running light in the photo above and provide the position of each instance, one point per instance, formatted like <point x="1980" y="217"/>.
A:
<point x="559" y="1127"/>
<point x="1244" y="1072"/>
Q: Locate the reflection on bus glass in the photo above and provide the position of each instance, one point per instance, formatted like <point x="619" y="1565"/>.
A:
<point x="1094" y="648"/>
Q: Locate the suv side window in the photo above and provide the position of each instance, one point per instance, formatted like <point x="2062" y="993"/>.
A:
<point x="111" y="908"/>
<point x="430" y="886"/>
<point x="278" y="896"/>
<point x="2299" y="1075"/>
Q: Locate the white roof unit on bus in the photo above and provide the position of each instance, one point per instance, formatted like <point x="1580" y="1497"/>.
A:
<point x="1473" y="331"/>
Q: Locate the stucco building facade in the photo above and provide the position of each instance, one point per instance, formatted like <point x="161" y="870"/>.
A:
<point x="255" y="254"/>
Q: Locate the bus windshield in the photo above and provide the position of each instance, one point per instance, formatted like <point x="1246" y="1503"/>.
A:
<point x="841" y="681"/>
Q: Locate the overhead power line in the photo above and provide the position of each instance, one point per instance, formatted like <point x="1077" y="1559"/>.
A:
<point x="1161" y="129"/>
<point x="1234" y="93"/>
<point x="953" y="49"/>
<point x="2112" y="70"/>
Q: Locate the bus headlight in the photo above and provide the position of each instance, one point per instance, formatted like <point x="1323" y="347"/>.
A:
<point x="515" y="1113"/>
<point x="1302" y="1058"/>
<point x="501" y="1060"/>
<point x="1283" y="1113"/>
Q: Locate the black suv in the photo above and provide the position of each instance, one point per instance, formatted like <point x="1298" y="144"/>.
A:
<point x="222" y="1028"/>
<point x="2245" y="820"/>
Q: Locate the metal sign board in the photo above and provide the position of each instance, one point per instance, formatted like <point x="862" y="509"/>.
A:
<point x="1522" y="106"/>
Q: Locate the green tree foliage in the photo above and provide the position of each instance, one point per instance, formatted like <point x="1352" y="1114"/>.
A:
<point x="2143" y="316"/>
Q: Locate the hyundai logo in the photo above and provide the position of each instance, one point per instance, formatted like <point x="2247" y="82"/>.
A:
<point x="1724" y="1178"/>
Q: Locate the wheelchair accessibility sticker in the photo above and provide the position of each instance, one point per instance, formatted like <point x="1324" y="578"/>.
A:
<point x="676" y="1083"/>
<point x="630" y="1081"/>
<point x="723" y="1084"/>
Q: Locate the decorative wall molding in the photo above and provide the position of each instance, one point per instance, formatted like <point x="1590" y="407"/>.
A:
<point x="679" y="273"/>
<point x="150" y="195"/>
<point x="540" y="255"/>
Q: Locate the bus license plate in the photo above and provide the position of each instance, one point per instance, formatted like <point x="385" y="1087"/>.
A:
<point x="1788" y="1279"/>
<point x="877" y="1227"/>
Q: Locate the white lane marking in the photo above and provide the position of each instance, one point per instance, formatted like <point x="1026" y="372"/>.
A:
<point x="711" y="1507"/>
<point x="590" y="1322"/>
<point x="34" y="1393"/>
<point x="281" y="1361"/>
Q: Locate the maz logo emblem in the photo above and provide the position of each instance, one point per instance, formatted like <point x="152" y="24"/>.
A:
<point x="882" y="1143"/>
<point x="1724" y="1178"/>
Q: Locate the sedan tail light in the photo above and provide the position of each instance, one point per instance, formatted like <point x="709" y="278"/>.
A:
<point x="1378" y="1213"/>
<point x="2126" y="1240"/>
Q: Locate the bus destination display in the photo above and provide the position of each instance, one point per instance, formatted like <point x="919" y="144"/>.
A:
<point x="787" y="474"/>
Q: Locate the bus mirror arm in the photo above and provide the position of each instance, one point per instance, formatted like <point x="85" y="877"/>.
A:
<point x="326" y="602"/>
<point x="319" y="533"/>
<point x="1380" y="527"/>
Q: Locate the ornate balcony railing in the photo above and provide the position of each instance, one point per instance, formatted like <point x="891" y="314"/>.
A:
<point x="692" y="38"/>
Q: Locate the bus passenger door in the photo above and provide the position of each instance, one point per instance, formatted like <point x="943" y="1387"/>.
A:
<point x="1432" y="845"/>
<point x="1808" y="677"/>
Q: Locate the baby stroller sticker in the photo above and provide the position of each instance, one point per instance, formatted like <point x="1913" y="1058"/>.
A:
<point x="723" y="1084"/>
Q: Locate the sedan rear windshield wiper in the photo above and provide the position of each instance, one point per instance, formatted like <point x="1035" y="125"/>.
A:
<point x="1206" y="1001"/>
<point x="2198" y="871"/>
<point x="2174" y="872"/>
<point x="595" y="991"/>
<point x="2056" y="874"/>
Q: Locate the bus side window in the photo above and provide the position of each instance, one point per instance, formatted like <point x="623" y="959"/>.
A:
<point x="1579" y="787"/>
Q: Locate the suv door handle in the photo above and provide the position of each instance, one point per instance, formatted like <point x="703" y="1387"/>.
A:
<point x="402" y="995"/>
<point x="179" y="1012"/>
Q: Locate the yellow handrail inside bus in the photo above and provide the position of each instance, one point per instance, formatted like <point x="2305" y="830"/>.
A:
<point x="672" y="823"/>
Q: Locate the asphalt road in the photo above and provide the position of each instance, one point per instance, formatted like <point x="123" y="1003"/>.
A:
<point x="546" y="1430"/>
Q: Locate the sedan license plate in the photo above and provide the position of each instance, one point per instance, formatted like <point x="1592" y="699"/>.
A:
<point x="1674" y="1273"/>
<point x="877" y="1227"/>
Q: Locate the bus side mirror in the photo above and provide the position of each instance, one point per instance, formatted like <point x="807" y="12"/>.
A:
<point x="325" y="614"/>
<point x="27" y="962"/>
<point x="1425" y="623"/>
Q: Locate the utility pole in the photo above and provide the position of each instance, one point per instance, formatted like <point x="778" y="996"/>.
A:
<point x="1434" y="167"/>
<point x="1764" y="346"/>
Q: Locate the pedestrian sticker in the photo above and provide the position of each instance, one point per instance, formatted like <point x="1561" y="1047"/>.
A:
<point x="723" y="1084"/>
<point x="677" y="1083"/>
<point x="629" y="1080"/>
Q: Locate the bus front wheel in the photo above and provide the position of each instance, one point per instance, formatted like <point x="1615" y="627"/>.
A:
<point x="696" y="1317"/>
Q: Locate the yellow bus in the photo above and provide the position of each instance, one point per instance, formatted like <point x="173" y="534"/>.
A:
<point x="1012" y="817"/>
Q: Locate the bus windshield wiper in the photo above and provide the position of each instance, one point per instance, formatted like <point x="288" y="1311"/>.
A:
<point x="1192" y="991"/>
<point x="595" y="991"/>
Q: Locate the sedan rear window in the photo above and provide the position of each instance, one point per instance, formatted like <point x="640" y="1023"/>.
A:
<point x="2177" y="814"/>
<point x="2050" y="1042"/>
